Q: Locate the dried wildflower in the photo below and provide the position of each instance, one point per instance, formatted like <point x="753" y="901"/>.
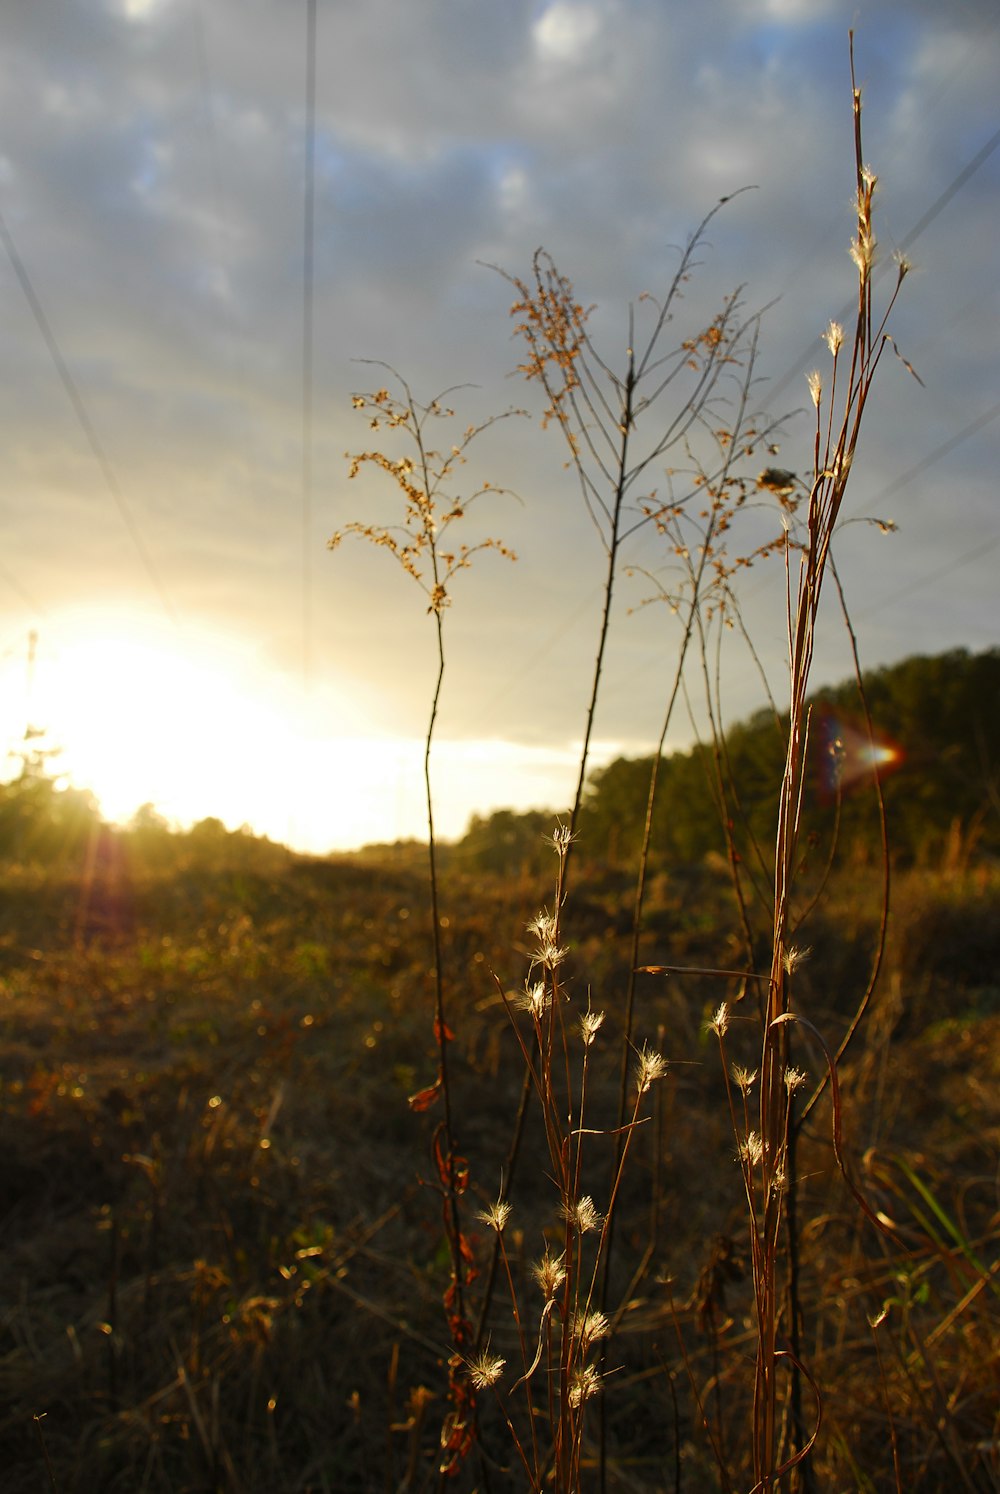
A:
<point x="794" y="957"/>
<point x="742" y="1077"/>
<point x="903" y="265"/>
<point x="584" y="1383"/>
<point x="549" y="952"/>
<point x="650" y="1067"/>
<point x="862" y="249"/>
<point x="485" y="1369"/>
<point x="496" y="1215"/>
<point x="834" y="337"/>
<point x="590" y="1025"/>
<point x="560" y="840"/>
<point x="794" y="1079"/>
<point x="582" y="1214"/>
<point x="751" y="1150"/>
<point x="550" y="1273"/>
<point x="815" y="382"/>
<point x="536" y="999"/>
<point x="590" y="1326"/>
<point x="720" y="1022"/>
<point x="777" y="479"/>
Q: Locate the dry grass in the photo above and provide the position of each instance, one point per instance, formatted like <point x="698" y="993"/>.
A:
<point x="190" y="1310"/>
<point x="265" y="1119"/>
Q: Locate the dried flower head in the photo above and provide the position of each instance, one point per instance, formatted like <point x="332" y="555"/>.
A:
<point x="535" y="999"/>
<point x="795" y="957"/>
<point x="590" y="1025"/>
<point x="584" y="1383"/>
<point x="560" y="840"/>
<point x="550" y="1273"/>
<point x="794" y="1079"/>
<point x="548" y="951"/>
<point x="742" y="1077"/>
<point x="751" y="1150"/>
<point x="720" y="1022"/>
<point x="582" y="1214"/>
<point x="485" y="1369"/>
<point x="834" y="337"/>
<point x="650" y="1067"/>
<point x="862" y="249"/>
<point x="815" y="382"/>
<point x="590" y="1326"/>
<point x="496" y="1215"/>
<point x="777" y="479"/>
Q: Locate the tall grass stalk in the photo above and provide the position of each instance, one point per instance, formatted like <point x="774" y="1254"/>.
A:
<point x="425" y="546"/>
<point x="855" y="360"/>
<point x="688" y="404"/>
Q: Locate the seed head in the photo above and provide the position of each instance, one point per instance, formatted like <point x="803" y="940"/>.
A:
<point x="496" y="1216"/>
<point x="590" y="1024"/>
<point x="742" y="1077"/>
<point x="794" y="1079"/>
<point x="560" y="840"/>
<point x="815" y="383"/>
<point x="794" y="957"/>
<point x="650" y="1067"/>
<point x="550" y="1273"/>
<point x="862" y="250"/>
<point x="536" y="999"/>
<point x="548" y="952"/>
<point x="751" y="1150"/>
<point x="582" y="1214"/>
<point x="834" y="337"/>
<point x="720" y="1022"/>
<point x="485" y="1369"/>
<point x="584" y="1383"/>
<point x="591" y="1326"/>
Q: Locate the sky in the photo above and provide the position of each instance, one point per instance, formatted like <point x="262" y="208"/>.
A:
<point x="176" y="386"/>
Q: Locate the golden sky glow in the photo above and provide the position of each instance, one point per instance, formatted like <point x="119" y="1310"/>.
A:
<point x="199" y="647"/>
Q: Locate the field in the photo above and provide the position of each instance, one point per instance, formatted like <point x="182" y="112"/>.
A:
<point x="224" y="1261"/>
<point x="661" y="1155"/>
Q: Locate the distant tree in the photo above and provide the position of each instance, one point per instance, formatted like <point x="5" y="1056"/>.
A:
<point x="41" y="822"/>
<point x="942" y="712"/>
<point x="506" y="842"/>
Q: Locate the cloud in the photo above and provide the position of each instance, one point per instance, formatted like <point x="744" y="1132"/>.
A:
<point x="566" y="32"/>
<point x="153" y="177"/>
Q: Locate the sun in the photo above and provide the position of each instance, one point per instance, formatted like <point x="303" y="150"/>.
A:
<point x="140" y="716"/>
<point x="199" y="724"/>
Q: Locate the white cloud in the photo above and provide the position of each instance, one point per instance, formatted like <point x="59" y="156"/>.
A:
<point x="448" y="133"/>
<point x="565" y="30"/>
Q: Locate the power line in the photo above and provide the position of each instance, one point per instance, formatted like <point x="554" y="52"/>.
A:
<point x="85" y="422"/>
<point x="942" y="570"/>
<point x="22" y="592"/>
<point x="940" y="451"/>
<point x="308" y="275"/>
<point x="932" y="212"/>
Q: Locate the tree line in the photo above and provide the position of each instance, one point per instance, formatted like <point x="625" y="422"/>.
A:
<point x="933" y="748"/>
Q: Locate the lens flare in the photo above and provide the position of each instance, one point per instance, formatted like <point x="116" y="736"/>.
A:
<point x="851" y="756"/>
